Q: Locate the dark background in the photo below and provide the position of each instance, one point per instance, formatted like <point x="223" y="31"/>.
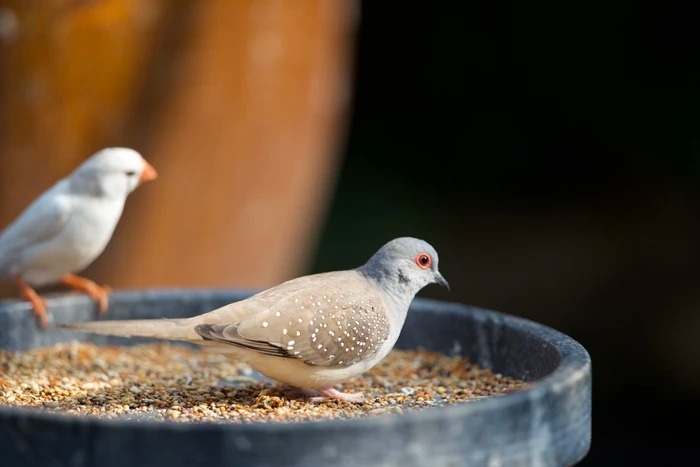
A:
<point x="551" y="153"/>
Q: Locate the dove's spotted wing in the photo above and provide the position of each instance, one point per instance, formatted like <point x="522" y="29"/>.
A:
<point x="336" y="319"/>
<point x="40" y="221"/>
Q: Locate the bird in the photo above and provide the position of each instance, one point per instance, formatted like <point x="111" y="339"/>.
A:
<point x="310" y="333"/>
<point x="69" y="225"/>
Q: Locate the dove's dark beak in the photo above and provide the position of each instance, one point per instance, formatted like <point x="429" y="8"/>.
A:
<point x="441" y="280"/>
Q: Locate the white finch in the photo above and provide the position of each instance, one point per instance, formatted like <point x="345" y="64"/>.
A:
<point x="69" y="225"/>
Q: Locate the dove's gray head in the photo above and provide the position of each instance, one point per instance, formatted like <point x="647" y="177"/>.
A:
<point x="404" y="266"/>
<point x="112" y="172"/>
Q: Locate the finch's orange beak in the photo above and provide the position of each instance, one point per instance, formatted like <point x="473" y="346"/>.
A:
<point x="149" y="173"/>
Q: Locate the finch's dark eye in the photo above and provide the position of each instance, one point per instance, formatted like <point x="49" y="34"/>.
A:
<point x="130" y="173"/>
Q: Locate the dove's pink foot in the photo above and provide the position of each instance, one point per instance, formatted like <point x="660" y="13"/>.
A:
<point x="330" y="393"/>
<point x="319" y="395"/>
<point x="38" y="303"/>
<point x="95" y="291"/>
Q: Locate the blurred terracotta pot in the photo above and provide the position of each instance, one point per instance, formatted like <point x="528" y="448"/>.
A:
<point x="240" y="106"/>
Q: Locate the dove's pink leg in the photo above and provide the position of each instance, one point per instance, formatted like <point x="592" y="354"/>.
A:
<point x="89" y="287"/>
<point x="319" y="395"/>
<point x="343" y="396"/>
<point x="37" y="302"/>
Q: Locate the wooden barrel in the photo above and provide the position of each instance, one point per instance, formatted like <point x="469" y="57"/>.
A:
<point x="241" y="107"/>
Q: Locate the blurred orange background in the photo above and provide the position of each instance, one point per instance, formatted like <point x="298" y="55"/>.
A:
<point x="240" y="106"/>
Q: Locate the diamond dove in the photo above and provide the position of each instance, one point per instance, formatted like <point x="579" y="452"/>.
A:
<point x="313" y="332"/>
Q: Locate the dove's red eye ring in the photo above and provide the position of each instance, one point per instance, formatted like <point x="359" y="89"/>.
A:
<point x="424" y="261"/>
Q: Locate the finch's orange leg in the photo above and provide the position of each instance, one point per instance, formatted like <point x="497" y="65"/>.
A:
<point x="89" y="287"/>
<point x="38" y="303"/>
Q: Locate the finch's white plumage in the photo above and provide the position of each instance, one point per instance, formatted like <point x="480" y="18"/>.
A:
<point x="69" y="225"/>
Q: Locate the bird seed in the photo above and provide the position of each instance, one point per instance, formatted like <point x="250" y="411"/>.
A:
<point x="163" y="381"/>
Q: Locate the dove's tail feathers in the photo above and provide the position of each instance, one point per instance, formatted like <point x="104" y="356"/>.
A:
<point x="170" y="329"/>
